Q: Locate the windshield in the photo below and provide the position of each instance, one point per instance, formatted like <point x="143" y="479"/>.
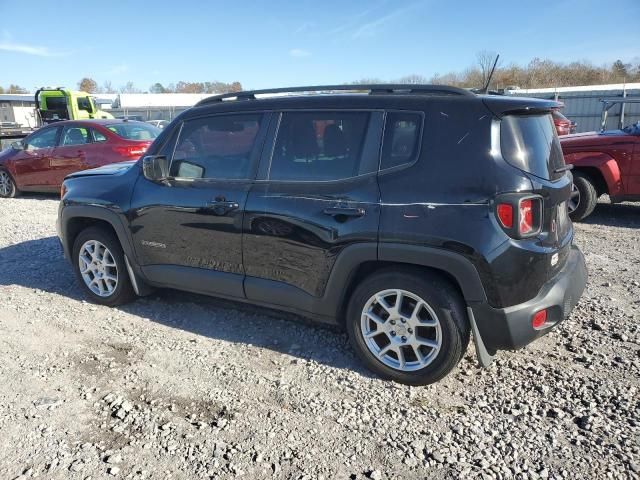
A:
<point x="633" y="129"/>
<point x="134" y="131"/>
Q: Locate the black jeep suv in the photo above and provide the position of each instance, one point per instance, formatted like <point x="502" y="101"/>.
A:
<point x="412" y="215"/>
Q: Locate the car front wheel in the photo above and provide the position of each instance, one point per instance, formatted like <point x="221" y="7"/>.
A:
<point x="100" y="267"/>
<point x="410" y="327"/>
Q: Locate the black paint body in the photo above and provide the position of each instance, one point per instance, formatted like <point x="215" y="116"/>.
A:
<point x="287" y="244"/>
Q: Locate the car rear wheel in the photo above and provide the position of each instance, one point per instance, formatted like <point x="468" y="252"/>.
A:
<point x="407" y="326"/>
<point x="100" y="267"/>
<point x="584" y="197"/>
<point x="8" y="187"/>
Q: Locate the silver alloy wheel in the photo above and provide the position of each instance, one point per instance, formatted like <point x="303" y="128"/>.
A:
<point x="574" y="200"/>
<point x="6" y="184"/>
<point x="401" y="330"/>
<point x="98" y="268"/>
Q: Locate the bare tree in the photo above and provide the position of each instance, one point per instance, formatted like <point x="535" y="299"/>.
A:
<point x="129" y="87"/>
<point x="107" y="87"/>
<point x="413" y="79"/>
<point x="485" y="60"/>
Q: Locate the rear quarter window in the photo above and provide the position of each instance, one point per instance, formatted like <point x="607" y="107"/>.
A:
<point x="530" y="143"/>
<point x="401" y="143"/>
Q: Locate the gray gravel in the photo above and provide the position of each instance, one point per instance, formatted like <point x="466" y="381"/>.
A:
<point x="181" y="386"/>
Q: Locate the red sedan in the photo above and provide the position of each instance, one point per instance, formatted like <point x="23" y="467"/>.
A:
<point x="40" y="162"/>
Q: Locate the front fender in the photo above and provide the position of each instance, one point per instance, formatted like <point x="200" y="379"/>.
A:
<point x="606" y="165"/>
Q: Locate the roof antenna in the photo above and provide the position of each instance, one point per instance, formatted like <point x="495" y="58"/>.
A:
<point x="485" y="89"/>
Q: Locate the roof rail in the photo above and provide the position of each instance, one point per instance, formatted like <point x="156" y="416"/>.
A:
<point x="372" y="89"/>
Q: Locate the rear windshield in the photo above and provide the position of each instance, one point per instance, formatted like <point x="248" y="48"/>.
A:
<point x="531" y="143"/>
<point x="134" y="131"/>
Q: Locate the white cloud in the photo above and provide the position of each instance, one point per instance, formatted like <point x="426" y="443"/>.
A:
<point x="299" y="53"/>
<point x="9" y="46"/>
<point x="369" y="29"/>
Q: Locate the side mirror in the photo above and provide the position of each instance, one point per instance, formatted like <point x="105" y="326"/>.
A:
<point x="155" y="168"/>
<point x="17" y="145"/>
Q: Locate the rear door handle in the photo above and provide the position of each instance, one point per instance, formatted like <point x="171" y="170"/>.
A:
<point x="222" y="207"/>
<point x="344" y="212"/>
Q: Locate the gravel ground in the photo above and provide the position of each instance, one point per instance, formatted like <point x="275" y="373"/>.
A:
<point x="181" y="386"/>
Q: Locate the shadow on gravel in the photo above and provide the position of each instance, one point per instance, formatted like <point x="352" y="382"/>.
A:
<point x="615" y="215"/>
<point x="39" y="265"/>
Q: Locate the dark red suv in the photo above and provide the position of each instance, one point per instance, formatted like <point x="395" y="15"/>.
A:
<point x="40" y="162"/>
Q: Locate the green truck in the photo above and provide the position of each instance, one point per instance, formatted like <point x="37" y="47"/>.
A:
<point x="55" y="104"/>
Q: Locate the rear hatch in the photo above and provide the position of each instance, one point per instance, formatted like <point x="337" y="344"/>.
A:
<point x="529" y="142"/>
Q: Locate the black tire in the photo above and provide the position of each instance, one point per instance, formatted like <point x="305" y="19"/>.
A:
<point x="445" y="301"/>
<point x="123" y="292"/>
<point x="588" y="197"/>
<point x="13" y="189"/>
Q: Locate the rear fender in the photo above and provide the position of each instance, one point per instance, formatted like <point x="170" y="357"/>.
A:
<point x="606" y="164"/>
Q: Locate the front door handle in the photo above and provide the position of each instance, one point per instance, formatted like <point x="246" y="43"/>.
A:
<point x="344" y="212"/>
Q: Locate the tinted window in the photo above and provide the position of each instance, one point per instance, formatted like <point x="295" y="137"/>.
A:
<point x="42" y="139"/>
<point x="134" y="130"/>
<point x="216" y="147"/>
<point x="75" y="136"/>
<point x="98" y="136"/>
<point x="56" y="103"/>
<point x="531" y="143"/>
<point x="401" y="139"/>
<point x="319" y="146"/>
<point x="84" y="104"/>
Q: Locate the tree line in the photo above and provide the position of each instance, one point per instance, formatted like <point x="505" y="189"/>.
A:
<point x="89" y="85"/>
<point x="538" y="73"/>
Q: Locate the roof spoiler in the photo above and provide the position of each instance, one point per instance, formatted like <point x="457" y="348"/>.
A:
<point x="500" y="105"/>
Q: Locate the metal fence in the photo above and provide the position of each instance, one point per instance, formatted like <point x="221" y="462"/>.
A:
<point x="144" y="114"/>
<point x="585" y="107"/>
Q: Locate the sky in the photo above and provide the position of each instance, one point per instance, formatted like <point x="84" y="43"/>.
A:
<point x="280" y="43"/>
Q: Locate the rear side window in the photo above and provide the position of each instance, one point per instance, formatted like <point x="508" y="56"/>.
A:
<point x="74" y="136"/>
<point x="531" y="144"/>
<point x="98" y="136"/>
<point x="401" y="142"/>
<point x="134" y="130"/>
<point x="319" y="146"/>
<point x="216" y="147"/>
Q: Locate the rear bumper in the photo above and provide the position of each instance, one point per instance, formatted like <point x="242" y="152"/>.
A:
<point x="510" y="328"/>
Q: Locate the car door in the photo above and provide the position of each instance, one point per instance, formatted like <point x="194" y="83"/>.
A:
<point x="70" y="155"/>
<point x="32" y="163"/>
<point x="634" y="181"/>
<point x="316" y="194"/>
<point x="187" y="231"/>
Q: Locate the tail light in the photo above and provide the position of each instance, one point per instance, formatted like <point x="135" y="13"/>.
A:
<point x="520" y="216"/>
<point x="131" y="151"/>
<point x="526" y="216"/>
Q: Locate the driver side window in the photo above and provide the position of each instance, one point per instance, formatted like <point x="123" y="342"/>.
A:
<point x="217" y="147"/>
<point x="45" y="138"/>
